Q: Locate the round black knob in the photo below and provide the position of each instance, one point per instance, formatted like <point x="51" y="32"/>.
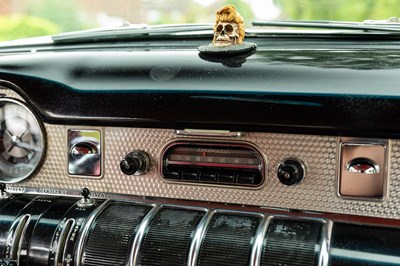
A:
<point x="135" y="163"/>
<point x="129" y="166"/>
<point x="291" y="172"/>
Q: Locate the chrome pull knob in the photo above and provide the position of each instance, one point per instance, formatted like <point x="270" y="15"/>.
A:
<point x="136" y="163"/>
<point x="362" y="166"/>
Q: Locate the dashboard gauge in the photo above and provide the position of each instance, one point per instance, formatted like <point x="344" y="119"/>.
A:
<point x="22" y="142"/>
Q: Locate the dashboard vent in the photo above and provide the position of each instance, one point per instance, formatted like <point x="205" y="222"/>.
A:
<point x="290" y="242"/>
<point x="111" y="234"/>
<point x="228" y="240"/>
<point x="168" y="238"/>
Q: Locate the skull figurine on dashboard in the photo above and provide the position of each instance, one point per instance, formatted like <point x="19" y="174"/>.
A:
<point x="228" y="28"/>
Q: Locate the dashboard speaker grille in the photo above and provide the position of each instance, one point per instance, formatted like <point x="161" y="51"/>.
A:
<point x="111" y="235"/>
<point x="290" y="242"/>
<point x="168" y="239"/>
<point x="228" y="240"/>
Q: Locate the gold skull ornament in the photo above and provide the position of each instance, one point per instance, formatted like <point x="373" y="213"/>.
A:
<point x="228" y="28"/>
<point x="226" y="33"/>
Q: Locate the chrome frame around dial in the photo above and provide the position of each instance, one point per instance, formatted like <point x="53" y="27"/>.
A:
<point x="22" y="141"/>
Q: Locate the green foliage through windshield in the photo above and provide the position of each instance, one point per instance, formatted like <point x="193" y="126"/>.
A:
<point x="28" y="18"/>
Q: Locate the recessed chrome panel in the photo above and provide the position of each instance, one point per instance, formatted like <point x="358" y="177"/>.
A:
<point x="362" y="172"/>
<point x="84" y="153"/>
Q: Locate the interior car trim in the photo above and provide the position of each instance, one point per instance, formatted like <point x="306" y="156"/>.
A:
<point x="198" y="237"/>
<point x="82" y="237"/>
<point x="256" y="252"/>
<point x="326" y="242"/>
<point x="61" y="248"/>
<point x="16" y="237"/>
<point x="266" y="216"/>
<point x="140" y="233"/>
<point x="208" y="133"/>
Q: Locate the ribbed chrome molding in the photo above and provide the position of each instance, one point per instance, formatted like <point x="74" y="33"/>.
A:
<point x="18" y="236"/>
<point x="256" y="252"/>
<point x="326" y="243"/>
<point x="84" y="234"/>
<point x="140" y="233"/>
<point x="198" y="238"/>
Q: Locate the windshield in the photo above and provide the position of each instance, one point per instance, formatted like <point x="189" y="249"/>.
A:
<point x="30" y="18"/>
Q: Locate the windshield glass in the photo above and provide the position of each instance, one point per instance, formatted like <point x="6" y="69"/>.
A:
<point x="30" y="18"/>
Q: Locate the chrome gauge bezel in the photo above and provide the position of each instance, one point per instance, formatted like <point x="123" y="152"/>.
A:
<point x="41" y="137"/>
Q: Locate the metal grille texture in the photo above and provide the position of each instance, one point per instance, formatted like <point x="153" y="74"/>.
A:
<point x="168" y="238"/>
<point x="228" y="240"/>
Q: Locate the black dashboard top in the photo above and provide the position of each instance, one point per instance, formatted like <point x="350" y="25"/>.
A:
<point x="311" y="89"/>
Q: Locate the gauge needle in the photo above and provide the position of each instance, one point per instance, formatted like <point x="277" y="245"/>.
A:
<point x="23" y="134"/>
<point x="26" y="146"/>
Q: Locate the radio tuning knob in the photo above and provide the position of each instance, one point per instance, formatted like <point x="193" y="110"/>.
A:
<point x="291" y="171"/>
<point x="136" y="162"/>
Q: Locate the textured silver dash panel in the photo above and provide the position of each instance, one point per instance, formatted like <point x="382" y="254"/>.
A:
<point x="315" y="193"/>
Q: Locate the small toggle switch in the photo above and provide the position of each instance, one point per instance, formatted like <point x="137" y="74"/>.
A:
<point x="86" y="201"/>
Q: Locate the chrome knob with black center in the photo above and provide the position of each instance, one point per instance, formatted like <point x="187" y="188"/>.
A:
<point x="291" y="171"/>
<point x="135" y="163"/>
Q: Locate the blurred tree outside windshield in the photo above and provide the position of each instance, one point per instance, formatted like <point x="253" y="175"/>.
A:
<point x="29" y="18"/>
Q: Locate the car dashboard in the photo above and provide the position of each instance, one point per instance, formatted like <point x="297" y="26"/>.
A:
<point x="151" y="153"/>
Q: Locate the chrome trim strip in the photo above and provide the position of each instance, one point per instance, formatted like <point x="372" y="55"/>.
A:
<point x="19" y="235"/>
<point x="208" y="133"/>
<point x="139" y="235"/>
<point x="84" y="234"/>
<point x="198" y="236"/>
<point x="183" y="207"/>
<point x="325" y="243"/>
<point x="61" y="245"/>
<point x="256" y="252"/>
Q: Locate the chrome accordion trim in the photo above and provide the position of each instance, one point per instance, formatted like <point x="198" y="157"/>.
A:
<point x="256" y="252"/>
<point x="140" y="233"/>
<point x="82" y="238"/>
